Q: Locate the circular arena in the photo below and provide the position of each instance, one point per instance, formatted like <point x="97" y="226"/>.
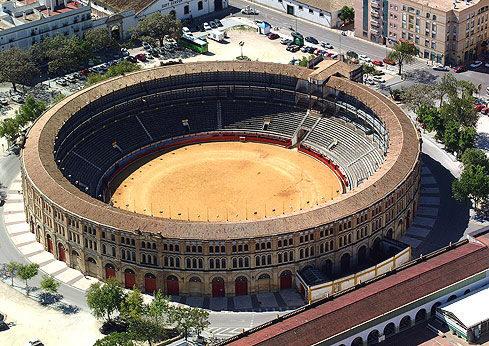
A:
<point x="220" y="178"/>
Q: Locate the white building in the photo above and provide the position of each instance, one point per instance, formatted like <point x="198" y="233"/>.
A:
<point x="322" y="12"/>
<point x="23" y="23"/>
<point x="183" y="9"/>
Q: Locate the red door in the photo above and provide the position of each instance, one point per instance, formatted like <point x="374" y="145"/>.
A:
<point x="241" y="286"/>
<point x="218" y="287"/>
<point x="172" y="287"/>
<point x="109" y="272"/>
<point x="129" y="279"/>
<point x="50" y="245"/>
<point x="61" y="252"/>
<point x="149" y="283"/>
<point x="285" y="280"/>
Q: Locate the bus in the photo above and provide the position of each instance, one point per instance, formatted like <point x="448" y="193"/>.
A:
<point x="196" y="44"/>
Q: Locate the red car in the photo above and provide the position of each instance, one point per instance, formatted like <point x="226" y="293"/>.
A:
<point x="479" y="107"/>
<point x="141" y="57"/>
<point x="273" y="36"/>
<point x="377" y="63"/>
<point x="459" y="69"/>
<point x="485" y="110"/>
<point x="389" y="61"/>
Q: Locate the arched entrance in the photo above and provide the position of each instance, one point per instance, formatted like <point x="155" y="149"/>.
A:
<point x="327" y="268"/>
<point x="408" y="219"/>
<point x="389" y="329"/>
<point x="218" y="287"/>
<point x="172" y="286"/>
<point x="286" y="280"/>
<point x="109" y="271"/>
<point x="149" y="283"/>
<point x="217" y="5"/>
<point x="263" y="283"/>
<point x="389" y="234"/>
<point x="405" y="323"/>
<point x="345" y="263"/>
<point x="241" y="286"/>
<point x="358" y="341"/>
<point x="74" y="259"/>
<point x="61" y="252"/>
<point x="420" y="316"/>
<point x="91" y="267"/>
<point x="362" y="256"/>
<point x="50" y="244"/>
<point x="451" y="298"/>
<point x="195" y="286"/>
<point x="433" y="309"/>
<point x="373" y="337"/>
<point x="129" y="278"/>
<point x="115" y="32"/>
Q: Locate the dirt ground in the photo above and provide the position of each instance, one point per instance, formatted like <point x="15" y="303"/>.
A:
<point x="51" y="326"/>
<point x="227" y="181"/>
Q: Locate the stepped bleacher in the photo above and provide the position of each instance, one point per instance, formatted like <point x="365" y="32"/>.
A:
<point x="99" y="135"/>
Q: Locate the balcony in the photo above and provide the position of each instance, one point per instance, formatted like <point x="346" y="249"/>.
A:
<point x="375" y="4"/>
<point x="374" y="32"/>
<point x="375" y="14"/>
<point x="374" y="23"/>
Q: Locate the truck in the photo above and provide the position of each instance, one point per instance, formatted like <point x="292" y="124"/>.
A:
<point x="216" y="35"/>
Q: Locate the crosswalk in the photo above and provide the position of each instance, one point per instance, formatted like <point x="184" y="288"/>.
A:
<point x="26" y="243"/>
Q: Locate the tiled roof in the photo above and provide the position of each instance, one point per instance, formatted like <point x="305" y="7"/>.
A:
<point x="125" y="5"/>
<point x="402" y="157"/>
<point x="375" y="299"/>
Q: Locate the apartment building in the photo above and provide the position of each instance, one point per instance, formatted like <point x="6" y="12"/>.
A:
<point x="444" y="31"/>
<point x="23" y="23"/>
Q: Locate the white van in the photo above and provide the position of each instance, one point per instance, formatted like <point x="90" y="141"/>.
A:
<point x="216" y="35"/>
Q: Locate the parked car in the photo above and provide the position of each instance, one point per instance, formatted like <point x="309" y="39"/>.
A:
<point x="293" y="48"/>
<point x="333" y="56"/>
<point x="311" y="39"/>
<point x="207" y="27"/>
<point x="363" y="57"/>
<point x="285" y="41"/>
<point x="378" y="79"/>
<point x="218" y="22"/>
<point x="186" y="30"/>
<point x="326" y="45"/>
<point x="389" y="61"/>
<point x="476" y="64"/>
<point x="3" y="102"/>
<point x="124" y="52"/>
<point x="479" y="107"/>
<point x="34" y="343"/>
<point x="273" y="36"/>
<point x="440" y="67"/>
<point x="249" y="11"/>
<point x="486" y="64"/>
<point x="146" y="46"/>
<point x="459" y="69"/>
<point x="132" y="59"/>
<point x="213" y="24"/>
<point x="60" y="81"/>
<point x="140" y="57"/>
<point x="378" y="63"/>
<point x="485" y="110"/>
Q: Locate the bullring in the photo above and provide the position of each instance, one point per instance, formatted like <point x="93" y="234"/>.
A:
<point x="75" y="151"/>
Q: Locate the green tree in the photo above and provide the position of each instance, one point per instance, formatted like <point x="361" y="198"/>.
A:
<point x="451" y="136"/>
<point x="418" y="95"/>
<point x="472" y="184"/>
<point x="100" y="40"/>
<point x="116" y="339"/>
<point x="200" y="319"/>
<point x="145" y="329"/>
<point x="94" y="78"/>
<point x="430" y="117"/>
<point x="461" y="110"/>
<point x="183" y="319"/>
<point x="159" y="308"/>
<point x="27" y="272"/>
<point x="49" y="286"/>
<point x="347" y="14"/>
<point x="12" y="268"/>
<point x="30" y="110"/>
<point x="475" y="157"/>
<point x="403" y="53"/>
<point x="62" y="54"/>
<point x="10" y="129"/>
<point x="105" y="299"/>
<point x="17" y="67"/>
<point x="157" y="26"/>
<point x="368" y="69"/>
<point x="122" y="68"/>
<point x="132" y="306"/>
<point x="466" y="140"/>
<point x="447" y="86"/>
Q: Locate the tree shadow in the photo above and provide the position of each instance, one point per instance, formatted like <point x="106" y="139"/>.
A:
<point x="421" y="76"/>
<point x="482" y="141"/>
<point x="46" y="298"/>
<point x="67" y="309"/>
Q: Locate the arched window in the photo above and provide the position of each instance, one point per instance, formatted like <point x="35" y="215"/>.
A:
<point x="189" y="263"/>
<point x="186" y="9"/>
<point x="211" y="263"/>
<point x="246" y="262"/>
<point x="405" y="323"/>
<point x="257" y="261"/>
<point x="200" y="5"/>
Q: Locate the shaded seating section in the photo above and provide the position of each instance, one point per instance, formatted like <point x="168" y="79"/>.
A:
<point x="109" y="129"/>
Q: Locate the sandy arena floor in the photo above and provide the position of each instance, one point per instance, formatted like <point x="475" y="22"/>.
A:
<point x="227" y="181"/>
